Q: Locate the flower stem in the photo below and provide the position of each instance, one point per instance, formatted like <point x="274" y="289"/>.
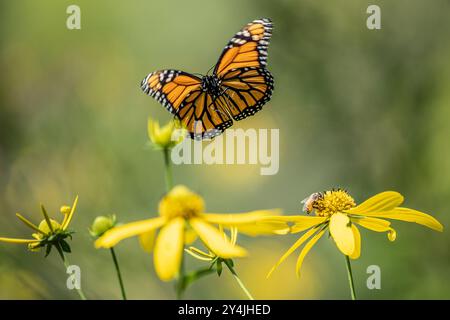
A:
<point x="239" y="281"/>
<point x="350" y="278"/>
<point x="119" y="275"/>
<point x="66" y="264"/>
<point x="168" y="169"/>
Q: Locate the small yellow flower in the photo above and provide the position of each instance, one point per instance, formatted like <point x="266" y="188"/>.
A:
<point x="49" y="232"/>
<point x="337" y="212"/>
<point x="165" y="137"/>
<point x="181" y="213"/>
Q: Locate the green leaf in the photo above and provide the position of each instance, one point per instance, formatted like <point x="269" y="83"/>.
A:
<point x="194" y="276"/>
<point x="219" y="267"/>
<point x="65" y="246"/>
<point x="48" y="249"/>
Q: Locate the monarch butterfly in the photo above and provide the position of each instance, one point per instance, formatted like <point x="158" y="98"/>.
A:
<point x="238" y="87"/>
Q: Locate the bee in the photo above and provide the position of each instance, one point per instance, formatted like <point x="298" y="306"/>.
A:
<point x="308" y="203"/>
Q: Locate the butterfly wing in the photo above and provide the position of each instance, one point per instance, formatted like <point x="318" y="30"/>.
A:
<point x="246" y="85"/>
<point x="203" y="116"/>
<point x="246" y="90"/>
<point x="248" y="48"/>
<point x="170" y="87"/>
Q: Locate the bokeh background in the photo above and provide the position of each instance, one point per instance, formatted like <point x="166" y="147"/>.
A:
<point x="360" y="109"/>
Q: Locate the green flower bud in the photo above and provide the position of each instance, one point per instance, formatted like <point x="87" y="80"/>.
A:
<point x="102" y="224"/>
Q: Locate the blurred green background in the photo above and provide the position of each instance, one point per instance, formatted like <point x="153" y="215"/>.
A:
<point x="366" y="110"/>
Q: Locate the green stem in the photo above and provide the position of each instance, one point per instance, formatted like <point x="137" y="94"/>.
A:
<point x="119" y="275"/>
<point x="350" y="278"/>
<point x="168" y="169"/>
<point x="180" y="286"/>
<point x="236" y="277"/>
<point x="66" y="264"/>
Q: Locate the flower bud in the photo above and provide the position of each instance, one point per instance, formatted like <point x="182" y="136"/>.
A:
<point x="65" y="209"/>
<point x="102" y="224"/>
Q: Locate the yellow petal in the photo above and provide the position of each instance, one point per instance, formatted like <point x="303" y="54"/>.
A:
<point x="234" y="235"/>
<point x="306" y="249"/>
<point x="153" y="129"/>
<point x="189" y="236"/>
<point x="381" y="202"/>
<point x="27" y="222"/>
<point x="342" y="233"/>
<point x="68" y="217"/>
<point x="260" y="222"/>
<point x="263" y="228"/>
<point x="147" y="240"/>
<point x="357" y="236"/>
<point x="410" y="215"/>
<point x="117" y="234"/>
<point x="294" y="247"/>
<point x="377" y="225"/>
<point x="169" y="249"/>
<point x="302" y="223"/>
<point x="215" y="241"/>
<point x="392" y="235"/>
<point x="238" y="218"/>
<point x="374" y="224"/>
<point x="14" y="240"/>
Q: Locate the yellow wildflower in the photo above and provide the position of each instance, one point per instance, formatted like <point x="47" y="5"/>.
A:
<point x="49" y="232"/>
<point x="182" y="210"/>
<point x="337" y="212"/>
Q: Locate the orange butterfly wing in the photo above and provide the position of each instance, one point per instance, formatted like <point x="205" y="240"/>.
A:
<point x="247" y="90"/>
<point x="170" y="87"/>
<point x="248" y="48"/>
<point x="203" y="116"/>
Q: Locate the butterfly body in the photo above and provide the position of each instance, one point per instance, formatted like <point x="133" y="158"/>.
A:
<point x="238" y="87"/>
<point x="211" y="84"/>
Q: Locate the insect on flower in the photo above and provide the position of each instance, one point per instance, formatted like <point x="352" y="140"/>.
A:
<point x="337" y="212"/>
<point x="310" y="202"/>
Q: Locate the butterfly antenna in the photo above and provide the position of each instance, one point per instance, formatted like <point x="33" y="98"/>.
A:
<point x="211" y="68"/>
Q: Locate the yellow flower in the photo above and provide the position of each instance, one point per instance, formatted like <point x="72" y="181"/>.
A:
<point x="337" y="212"/>
<point x="49" y="232"/>
<point x="181" y="213"/>
<point x="165" y="137"/>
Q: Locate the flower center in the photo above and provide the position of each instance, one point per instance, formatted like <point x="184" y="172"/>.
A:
<point x="43" y="226"/>
<point x="181" y="202"/>
<point x="333" y="201"/>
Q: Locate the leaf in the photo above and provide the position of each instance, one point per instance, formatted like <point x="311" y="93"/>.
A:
<point x="191" y="277"/>
<point x="188" y="279"/>
<point x="48" y="249"/>
<point x="65" y="246"/>
<point x="219" y="267"/>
